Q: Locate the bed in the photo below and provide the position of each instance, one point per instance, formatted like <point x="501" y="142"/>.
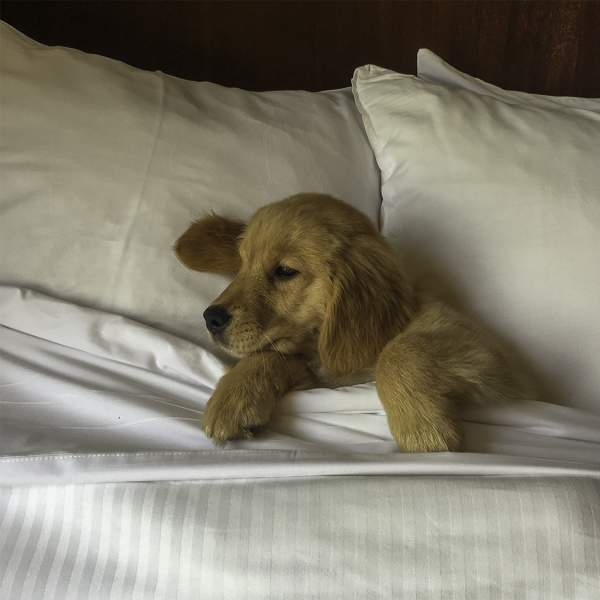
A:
<point x="112" y="139"/>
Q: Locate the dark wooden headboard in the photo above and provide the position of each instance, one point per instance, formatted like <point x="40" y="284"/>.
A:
<point x="545" y="47"/>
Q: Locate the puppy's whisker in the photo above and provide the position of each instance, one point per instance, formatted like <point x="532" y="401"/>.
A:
<point x="270" y="340"/>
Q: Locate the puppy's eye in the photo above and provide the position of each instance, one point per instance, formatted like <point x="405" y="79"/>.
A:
<point x="283" y="272"/>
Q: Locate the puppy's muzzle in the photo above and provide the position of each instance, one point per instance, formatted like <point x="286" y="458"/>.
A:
<point x="217" y="318"/>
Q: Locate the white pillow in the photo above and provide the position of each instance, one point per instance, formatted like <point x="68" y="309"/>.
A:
<point x="495" y="200"/>
<point x="103" y="166"/>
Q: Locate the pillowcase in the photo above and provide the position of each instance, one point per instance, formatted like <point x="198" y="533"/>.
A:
<point x="103" y="166"/>
<point x="430" y="67"/>
<point x="493" y="198"/>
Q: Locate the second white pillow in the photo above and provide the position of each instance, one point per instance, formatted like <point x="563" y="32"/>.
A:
<point x="496" y="202"/>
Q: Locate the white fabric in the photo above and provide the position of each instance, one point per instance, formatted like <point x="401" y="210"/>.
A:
<point x="493" y="198"/>
<point x="430" y="67"/>
<point x="90" y="396"/>
<point x="94" y="399"/>
<point x="339" y="538"/>
<point x="103" y="166"/>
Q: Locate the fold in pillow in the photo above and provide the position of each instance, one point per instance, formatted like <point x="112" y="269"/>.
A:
<point x="430" y="67"/>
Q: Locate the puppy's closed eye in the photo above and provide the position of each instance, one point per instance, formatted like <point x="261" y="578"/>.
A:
<point x="283" y="272"/>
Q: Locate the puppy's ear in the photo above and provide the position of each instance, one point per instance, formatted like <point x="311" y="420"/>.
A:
<point x="370" y="304"/>
<point x="211" y="245"/>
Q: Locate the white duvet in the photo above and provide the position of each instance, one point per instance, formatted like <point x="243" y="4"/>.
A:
<point x="109" y="489"/>
<point x="83" y="391"/>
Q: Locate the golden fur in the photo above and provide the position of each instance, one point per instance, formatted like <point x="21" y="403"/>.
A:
<point x="319" y="298"/>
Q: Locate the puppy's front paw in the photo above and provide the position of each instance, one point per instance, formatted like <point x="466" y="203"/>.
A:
<point x="231" y="413"/>
<point x="439" y="435"/>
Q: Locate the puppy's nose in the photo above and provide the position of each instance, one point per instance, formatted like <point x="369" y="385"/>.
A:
<point x="216" y="318"/>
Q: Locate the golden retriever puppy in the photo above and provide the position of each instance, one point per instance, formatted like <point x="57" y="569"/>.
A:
<point x="319" y="298"/>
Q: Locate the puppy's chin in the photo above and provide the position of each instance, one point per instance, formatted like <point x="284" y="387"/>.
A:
<point x="281" y="345"/>
<point x="235" y="350"/>
<point x="227" y="348"/>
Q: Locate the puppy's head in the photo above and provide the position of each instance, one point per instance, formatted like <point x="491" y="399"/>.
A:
<point x="312" y="275"/>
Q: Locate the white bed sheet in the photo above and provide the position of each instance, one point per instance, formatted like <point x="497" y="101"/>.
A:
<point x="108" y="488"/>
<point x="91" y="396"/>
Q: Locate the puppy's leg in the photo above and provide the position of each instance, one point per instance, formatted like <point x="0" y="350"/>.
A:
<point x="414" y="393"/>
<point x="246" y="395"/>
